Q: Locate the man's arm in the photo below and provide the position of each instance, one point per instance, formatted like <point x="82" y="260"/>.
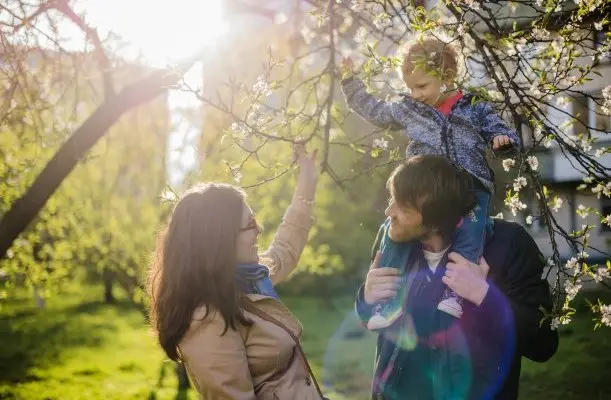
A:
<point x="364" y="310"/>
<point x="527" y="291"/>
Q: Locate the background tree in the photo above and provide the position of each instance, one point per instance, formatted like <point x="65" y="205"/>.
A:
<point x="531" y="59"/>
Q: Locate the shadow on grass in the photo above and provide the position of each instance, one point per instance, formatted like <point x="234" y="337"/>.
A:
<point x="577" y="370"/>
<point x="183" y="387"/>
<point x="34" y="338"/>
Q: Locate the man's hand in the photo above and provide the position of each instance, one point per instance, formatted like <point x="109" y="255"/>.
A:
<point x="381" y="283"/>
<point x="468" y="280"/>
<point x="501" y="142"/>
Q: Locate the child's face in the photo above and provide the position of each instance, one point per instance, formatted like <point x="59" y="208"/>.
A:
<point x="425" y="86"/>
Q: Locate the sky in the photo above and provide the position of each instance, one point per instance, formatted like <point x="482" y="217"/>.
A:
<point x="158" y="35"/>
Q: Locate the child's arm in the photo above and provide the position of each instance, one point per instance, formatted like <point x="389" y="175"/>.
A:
<point x="379" y="112"/>
<point x="495" y="130"/>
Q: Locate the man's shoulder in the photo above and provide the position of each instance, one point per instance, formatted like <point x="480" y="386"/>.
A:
<point x="507" y="229"/>
<point x="508" y="237"/>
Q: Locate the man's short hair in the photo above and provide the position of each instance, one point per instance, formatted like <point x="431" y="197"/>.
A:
<point x="437" y="189"/>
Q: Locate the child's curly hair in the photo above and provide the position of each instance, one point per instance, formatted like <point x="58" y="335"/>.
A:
<point x="430" y="53"/>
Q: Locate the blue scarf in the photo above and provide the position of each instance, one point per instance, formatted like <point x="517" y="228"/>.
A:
<point x="254" y="279"/>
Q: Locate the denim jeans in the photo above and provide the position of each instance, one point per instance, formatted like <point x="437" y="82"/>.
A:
<point x="470" y="236"/>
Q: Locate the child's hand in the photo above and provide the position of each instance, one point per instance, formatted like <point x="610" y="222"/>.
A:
<point x="501" y="142"/>
<point x="347" y="63"/>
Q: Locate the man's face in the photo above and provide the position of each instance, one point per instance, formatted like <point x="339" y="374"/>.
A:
<point x="405" y="223"/>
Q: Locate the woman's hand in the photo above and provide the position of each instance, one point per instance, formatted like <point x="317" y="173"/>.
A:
<point x="308" y="173"/>
<point x="347" y="68"/>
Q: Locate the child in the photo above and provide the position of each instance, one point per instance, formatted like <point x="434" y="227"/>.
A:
<point x="439" y="119"/>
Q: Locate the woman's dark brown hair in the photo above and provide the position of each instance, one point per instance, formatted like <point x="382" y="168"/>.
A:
<point x="195" y="263"/>
<point x="436" y="188"/>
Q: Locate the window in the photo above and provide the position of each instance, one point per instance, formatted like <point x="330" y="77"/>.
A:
<point x="600" y="38"/>
<point x="538" y="225"/>
<point x="600" y="121"/>
<point x="605" y="209"/>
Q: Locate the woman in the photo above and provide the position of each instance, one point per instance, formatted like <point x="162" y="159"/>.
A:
<point x="212" y="299"/>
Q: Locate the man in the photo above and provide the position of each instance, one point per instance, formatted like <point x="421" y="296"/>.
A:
<point x="429" y="354"/>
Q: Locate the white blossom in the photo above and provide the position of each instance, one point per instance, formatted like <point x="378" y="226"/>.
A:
<point x="555" y="323"/>
<point x="495" y="95"/>
<point x="573" y="265"/>
<point x="605" y="311"/>
<point x="382" y="21"/>
<point x="569" y="80"/>
<point x="473" y="4"/>
<point x="519" y="183"/>
<point x="557" y="204"/>
<point x="168" y="195"/>
<point x="361" y="35"/>
<point x="534" y="89"/>
<point x="380" y="143"/>
<point x="601" y="274"/>
<point x="583" y="211"/>
<point x="598" y="26"/>
<point x="514" y="204"/>
<point x="508" y="163"/>
<point x="558" y="44"/>
<point x="538" y="131"/>
<point x="606" y="220"/>
<point x="261" y="87"/>
<point x="599" y="152"/>
<point x="460" y="30"/>
<point x="240" y="129"/>
<point x="563" y="102"/>
<point x="540" y="34"/>
<point x="529" y="220"/>
<point x="533" y="162"/>
<point x="308" y="34"/>
<point x="547" y="142"/>
<point x="572" y="288"/>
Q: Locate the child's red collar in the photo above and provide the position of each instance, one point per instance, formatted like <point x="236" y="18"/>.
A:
<point x="446" y="106"/>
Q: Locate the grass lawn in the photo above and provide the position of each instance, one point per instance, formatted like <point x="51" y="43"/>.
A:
<point x="80" y="348"/>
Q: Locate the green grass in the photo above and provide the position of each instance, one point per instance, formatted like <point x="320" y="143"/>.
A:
<point x="80" y="348"/>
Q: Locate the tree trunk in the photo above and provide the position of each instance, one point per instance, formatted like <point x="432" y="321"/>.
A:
<point x="108" y="279"/>
<point x="24" y="209"/>
<point x="38" y="299"/>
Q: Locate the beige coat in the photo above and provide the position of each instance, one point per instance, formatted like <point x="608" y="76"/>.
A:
<point x="258" y="361"/>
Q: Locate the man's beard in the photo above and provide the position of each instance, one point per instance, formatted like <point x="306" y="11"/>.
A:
<point x="419" y="233"/>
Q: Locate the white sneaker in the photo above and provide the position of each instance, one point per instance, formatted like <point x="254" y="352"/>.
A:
<point x="377" y="321"/>
<point x="450" y="305"/>
<point x="383" y="317"/>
